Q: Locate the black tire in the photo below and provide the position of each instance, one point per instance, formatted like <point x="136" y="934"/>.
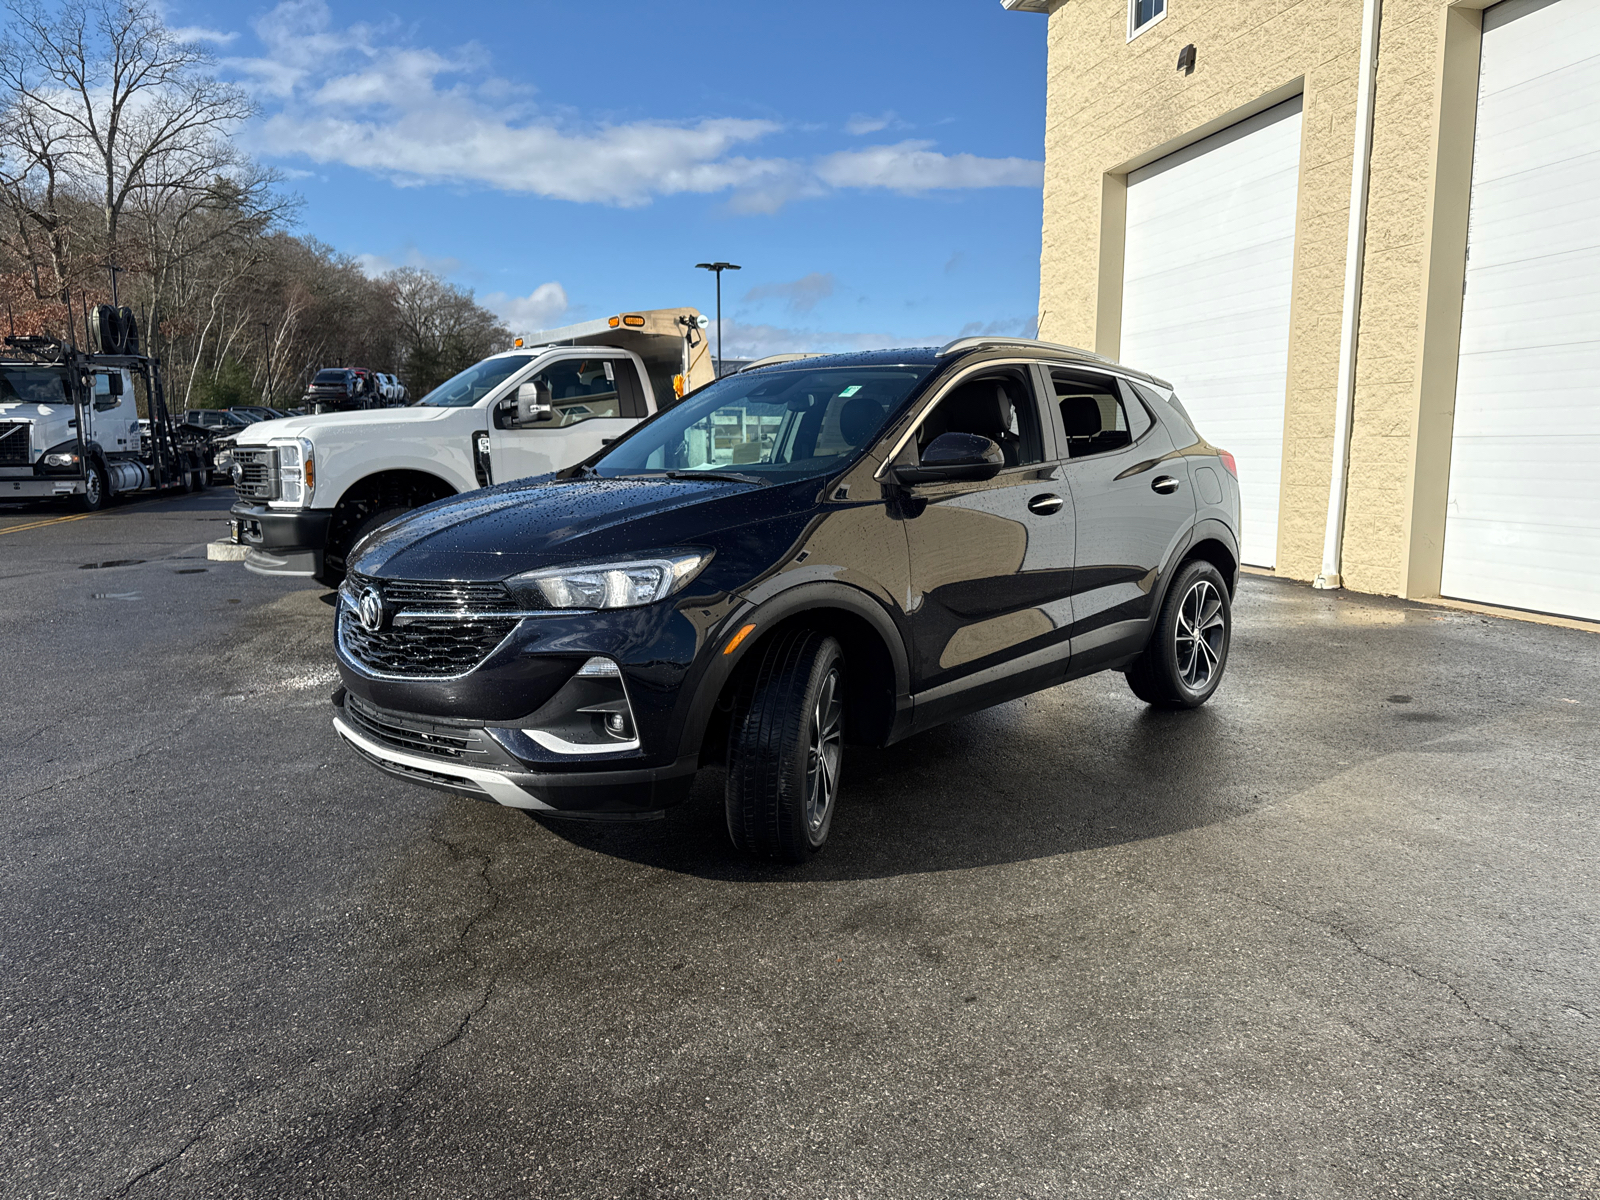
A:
<point x="333" y="560"/>
<point x="785" y="749"/>
<point x="199" y="475"/>
<point x="1183" y="664"/>
<point x="97" y="490"/>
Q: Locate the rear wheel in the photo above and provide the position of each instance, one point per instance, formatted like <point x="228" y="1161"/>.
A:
<point x="1188" y="651"/>
<point x="786" y="749"/>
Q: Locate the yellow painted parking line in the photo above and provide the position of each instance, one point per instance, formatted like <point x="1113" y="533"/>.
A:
<point x="79" y="516"/>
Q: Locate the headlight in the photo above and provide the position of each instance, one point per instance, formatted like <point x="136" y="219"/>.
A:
<point x="611" y="585"/>
<point x="60" y="460"/>
<point x="297" y="471"/>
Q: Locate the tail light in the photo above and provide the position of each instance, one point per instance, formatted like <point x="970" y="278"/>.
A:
<point x="1227" y="461"/>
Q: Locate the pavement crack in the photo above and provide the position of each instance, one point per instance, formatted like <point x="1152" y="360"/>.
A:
<point x="148" y="750"/>
<point x="161" y="1164"/>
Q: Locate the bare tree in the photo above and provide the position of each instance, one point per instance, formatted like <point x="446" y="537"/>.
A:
<point x="127" y="105"/>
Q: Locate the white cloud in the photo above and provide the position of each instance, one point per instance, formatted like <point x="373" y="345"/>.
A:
<point x="860" y="123"/>
<point x="913" y="167"/>
<point x="198" y="33"/>
<point x="374" y="265"/>
<point x="1010" y="327"/>
<point x="358" y="97"/>
<point x="801" y="296"/>
<point x="541" y="308"/>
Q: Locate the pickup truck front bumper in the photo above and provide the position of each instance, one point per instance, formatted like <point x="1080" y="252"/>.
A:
<point x="279" y="542"/>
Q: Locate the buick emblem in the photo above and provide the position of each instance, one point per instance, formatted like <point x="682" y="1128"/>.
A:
<point x="370" y="609"/>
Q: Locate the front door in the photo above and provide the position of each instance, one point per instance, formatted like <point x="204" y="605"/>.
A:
<point x="1134" y="501"/>
<point x="991" y="561"/>
<point x="593" y="399"/>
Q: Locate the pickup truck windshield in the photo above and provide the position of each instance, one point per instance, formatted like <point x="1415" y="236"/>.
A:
<point x="476" y="382"/>
<point x="770" y="425"/>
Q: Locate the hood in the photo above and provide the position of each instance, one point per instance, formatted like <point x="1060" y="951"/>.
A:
<point x="368" y="420"/>
<point x="523" y="526"/>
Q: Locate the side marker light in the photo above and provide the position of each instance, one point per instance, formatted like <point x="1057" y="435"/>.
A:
<point x="739" y="637"/>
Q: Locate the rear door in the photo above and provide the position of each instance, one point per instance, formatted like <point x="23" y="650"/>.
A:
<point x="990" y="561"/>
<point x="595" y="398"/>
<point x="1134" y="502"/>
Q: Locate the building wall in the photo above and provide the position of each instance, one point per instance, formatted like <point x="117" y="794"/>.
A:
<point x="1114" y="106"/>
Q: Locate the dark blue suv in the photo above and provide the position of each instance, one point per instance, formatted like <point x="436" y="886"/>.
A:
<point x="827" y="552"/>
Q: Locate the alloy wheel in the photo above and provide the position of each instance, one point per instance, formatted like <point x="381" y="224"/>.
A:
<point x="825" y="752"/>
<point x="1200" y="633"/>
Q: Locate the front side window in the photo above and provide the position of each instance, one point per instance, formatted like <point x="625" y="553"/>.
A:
<point x="578" y="390"/>
<point x="773" y="424"/>
<point x="476" y="382"/>
<point x="997" y="405"/>
<point x="1093" y="414"/>
<point x="1142" y="14"/>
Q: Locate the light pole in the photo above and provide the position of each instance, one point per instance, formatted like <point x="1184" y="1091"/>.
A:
<point x="719" y="268"/>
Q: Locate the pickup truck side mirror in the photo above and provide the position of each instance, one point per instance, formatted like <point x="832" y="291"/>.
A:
<point x="955" y="457"/>
<point x="533" y="403"/>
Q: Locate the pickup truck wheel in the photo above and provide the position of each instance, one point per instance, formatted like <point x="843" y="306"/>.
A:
<point x="785" y="749"/>
<point x="333" y="561"/>
<point x="1188" y="651"/>
<point x="96" y="491"/>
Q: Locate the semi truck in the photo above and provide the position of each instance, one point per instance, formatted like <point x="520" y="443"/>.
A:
<point x="69" y="421"/>
<point x="310" y="488"/>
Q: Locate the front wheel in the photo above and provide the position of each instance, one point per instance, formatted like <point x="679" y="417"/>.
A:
<point x="96" y="491"/>
<point x="786" y="749"/>
<point x="1188" y="651"/>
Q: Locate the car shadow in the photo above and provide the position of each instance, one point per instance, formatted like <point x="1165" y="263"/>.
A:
<point x="1056" y="773"/>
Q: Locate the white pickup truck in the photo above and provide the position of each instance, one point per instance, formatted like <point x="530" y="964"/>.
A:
<point x="311" y="487"/>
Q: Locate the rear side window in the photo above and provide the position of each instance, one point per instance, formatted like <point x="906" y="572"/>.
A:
<point x="1094" y="415"/>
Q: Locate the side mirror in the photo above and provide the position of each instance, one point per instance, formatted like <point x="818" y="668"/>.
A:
<point x="533" y="403"/>
<point x="955" y="457"/>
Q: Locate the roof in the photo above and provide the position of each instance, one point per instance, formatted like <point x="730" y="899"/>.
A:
<point x="958" y="350"/>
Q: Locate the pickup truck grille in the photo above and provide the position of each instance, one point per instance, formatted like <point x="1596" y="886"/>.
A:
<point x="256" y="476"/>
<point x="14" y="443"/>
<point x="412" y="734"/>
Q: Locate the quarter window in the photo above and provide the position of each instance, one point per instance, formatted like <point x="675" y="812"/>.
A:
<point x="1142" y="14"/>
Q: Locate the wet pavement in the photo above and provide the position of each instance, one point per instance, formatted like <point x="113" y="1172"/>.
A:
<point x="1333" y="935"/>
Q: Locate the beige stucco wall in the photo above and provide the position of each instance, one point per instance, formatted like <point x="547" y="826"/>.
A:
<point x="1115" y="105"/>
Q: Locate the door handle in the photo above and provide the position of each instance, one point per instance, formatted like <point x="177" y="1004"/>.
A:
<point x="1165" y="484"/>
<point x="1045" y="504"/>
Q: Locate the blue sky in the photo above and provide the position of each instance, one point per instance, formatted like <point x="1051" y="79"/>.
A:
<point x="874" y="167"/>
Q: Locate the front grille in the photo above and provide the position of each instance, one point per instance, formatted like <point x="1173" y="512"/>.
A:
<point x="434" y="649"/>
<point x="429" y="595"/>
<point x="14" y="443"/>
<point x="255" y="479"/>
<point x="411" y="734"/>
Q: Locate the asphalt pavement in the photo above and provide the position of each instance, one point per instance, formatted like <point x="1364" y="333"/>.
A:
<point x="1333" y="935"/>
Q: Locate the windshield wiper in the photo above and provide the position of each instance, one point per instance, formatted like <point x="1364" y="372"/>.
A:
<point x="730" y="476"/>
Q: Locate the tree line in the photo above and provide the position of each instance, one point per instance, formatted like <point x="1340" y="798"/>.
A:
<point x="118" y="174"/>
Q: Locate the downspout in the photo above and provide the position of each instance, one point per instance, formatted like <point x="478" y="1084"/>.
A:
<point x="1331" y="575"/>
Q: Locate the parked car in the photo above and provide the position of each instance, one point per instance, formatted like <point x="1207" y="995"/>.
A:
<point x="334" y="389"/>
<point x="260" y="412"/>
<point x="842" y="550"/>
<point x="215" y="419"/>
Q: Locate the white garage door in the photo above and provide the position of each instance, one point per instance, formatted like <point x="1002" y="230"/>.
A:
<point x="1206" y="281"/>
<point x="1523" y="524"/>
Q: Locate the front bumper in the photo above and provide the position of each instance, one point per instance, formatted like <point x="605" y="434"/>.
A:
<point x="280" y="542"/>
<point x="41" y="487"/>
<point x="493" y="773"/>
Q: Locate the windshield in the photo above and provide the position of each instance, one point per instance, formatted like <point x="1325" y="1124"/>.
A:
<point x="772" y="425"/>
<point x="33" y="385"/>
<point x="476" y="382"/>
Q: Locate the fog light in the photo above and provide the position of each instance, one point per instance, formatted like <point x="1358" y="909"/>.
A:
<point x="590" y="714"/>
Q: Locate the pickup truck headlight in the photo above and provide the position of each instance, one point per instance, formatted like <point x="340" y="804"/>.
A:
<point x="627" y="584"/>
<point x="297" y="471"/>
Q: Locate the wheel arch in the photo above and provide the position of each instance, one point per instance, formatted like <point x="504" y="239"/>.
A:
<point x="877" y="668"/>
<point x="372" y="493"/>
